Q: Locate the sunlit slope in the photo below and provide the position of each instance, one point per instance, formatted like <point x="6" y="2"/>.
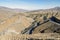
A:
<point x="6" y="12"/>
<point x="18" y="20"/>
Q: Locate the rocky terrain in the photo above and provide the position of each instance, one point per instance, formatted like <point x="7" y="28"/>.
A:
<point x="19" y="24"/>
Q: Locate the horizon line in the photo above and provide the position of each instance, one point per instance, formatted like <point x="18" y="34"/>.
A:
<point x="28" y="9"/>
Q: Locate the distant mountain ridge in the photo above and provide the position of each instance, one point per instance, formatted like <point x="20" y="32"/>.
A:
<point x="6" y="12"/>
<point x="23" y="10"/>
<point x="50" y="9"/>
<point x="10" y="9"/>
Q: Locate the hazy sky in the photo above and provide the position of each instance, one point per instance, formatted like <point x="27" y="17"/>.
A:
<point x="30" y="4"/>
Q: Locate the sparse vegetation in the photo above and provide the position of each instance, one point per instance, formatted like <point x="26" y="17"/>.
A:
<point x="17" y="26"/>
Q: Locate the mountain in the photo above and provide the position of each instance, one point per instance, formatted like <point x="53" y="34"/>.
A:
<point x="10" y="9"/>
<point x="47" y="10"/>
<point x="6" y="12"/>
<point x="20" y="10"/>
<point x="44" y="13"/>
<point x="52" y="27"/>
<point x="55" y="8"/>
<point x="17" y="22"/>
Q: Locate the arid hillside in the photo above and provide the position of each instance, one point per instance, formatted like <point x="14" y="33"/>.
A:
<point x="6" y="12"/>
<point x="16" y="23"/>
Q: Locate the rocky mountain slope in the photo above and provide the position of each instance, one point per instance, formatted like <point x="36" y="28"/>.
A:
<point x="44" y="19"/>
<point x="31" y="22"/>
